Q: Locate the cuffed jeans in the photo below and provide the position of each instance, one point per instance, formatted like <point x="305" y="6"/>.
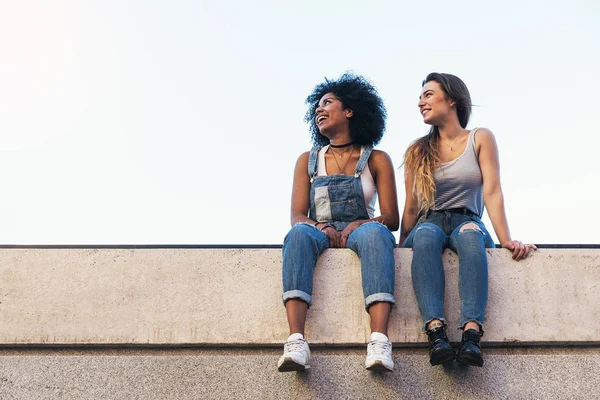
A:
<point x="428" y="240"/>
<point x="372" y="242"/>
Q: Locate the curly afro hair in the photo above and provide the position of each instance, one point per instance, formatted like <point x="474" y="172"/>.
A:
<point x="356" y="93"/>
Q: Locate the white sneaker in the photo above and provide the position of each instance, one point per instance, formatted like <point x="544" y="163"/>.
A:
<point x="379" y="354"/>
<point x="296" y="354"/>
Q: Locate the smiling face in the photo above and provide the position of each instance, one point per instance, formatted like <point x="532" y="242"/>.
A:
<point x="331" y="116"/>
<point x="434" y="104"/>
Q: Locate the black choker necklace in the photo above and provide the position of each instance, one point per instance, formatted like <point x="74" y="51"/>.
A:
<point x="339" y="146"/>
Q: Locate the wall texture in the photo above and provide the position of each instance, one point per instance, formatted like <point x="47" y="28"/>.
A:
<point x="233" y="297"/>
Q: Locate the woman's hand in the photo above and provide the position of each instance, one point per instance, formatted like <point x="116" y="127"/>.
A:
<point x="519" y="249"/>
<point x="351" y="227"/>
<point x="333" y="235"/>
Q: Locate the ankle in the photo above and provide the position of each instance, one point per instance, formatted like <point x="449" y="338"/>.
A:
<point x="471" y="325"/>
<point x="433" y="325"/>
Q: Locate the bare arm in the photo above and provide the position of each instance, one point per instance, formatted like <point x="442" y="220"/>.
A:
<point x="383" y="173"/>
<point x="301" y="192"/>
<point x="492" y="193"/>
<point x="492" y="190"/>
<point x="411" y="209"/>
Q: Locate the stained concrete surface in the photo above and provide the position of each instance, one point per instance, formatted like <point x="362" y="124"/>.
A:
<point x="335" y="374"/>
<point x="228" y="296"/>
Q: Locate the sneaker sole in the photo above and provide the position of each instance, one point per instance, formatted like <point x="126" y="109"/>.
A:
<point x="289" y="365"/>
<point x="379" y="367"/>
<point x="443" y="357"/>
<point x="470" y="359"/>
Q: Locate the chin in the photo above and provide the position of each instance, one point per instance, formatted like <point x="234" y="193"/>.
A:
<point x="323" y="131"/>
<point x="428" y="121"/>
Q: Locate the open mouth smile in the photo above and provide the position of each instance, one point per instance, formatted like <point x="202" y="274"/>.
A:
<point x="321" y="118"/>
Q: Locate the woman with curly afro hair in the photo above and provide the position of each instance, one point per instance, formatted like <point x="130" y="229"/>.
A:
<point x="336" y="186"/>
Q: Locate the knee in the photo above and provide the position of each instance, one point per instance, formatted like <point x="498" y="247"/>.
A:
<point x="374" y="233"/>
<point x="427" y="235"/>
<point x="470" y="229"/>
<point x="299" y="233"/>
<point x="470" y="233"/>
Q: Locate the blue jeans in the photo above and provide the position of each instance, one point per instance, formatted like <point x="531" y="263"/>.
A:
<point x="372" y="242"/>
<point x="428" y="240"/>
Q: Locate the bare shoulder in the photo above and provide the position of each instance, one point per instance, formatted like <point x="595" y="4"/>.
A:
<point x="302" y="164"/>
<point x="484" y="137"/>
<point x="303" y="159"/>
<point x="380" y="157"/>
<point x="483" y="134"/>
<point x="380" y="162"/>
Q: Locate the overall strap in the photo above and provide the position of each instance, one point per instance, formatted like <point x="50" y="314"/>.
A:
<point x="362" y="161"/>
<point x="312" y="161"/>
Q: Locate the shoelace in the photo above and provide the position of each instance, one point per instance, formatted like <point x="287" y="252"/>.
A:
<point x="472" y="336"/>
<point x="437" y="334"/>
<point x="378" y="347"/>
<point x="294" y="345"/>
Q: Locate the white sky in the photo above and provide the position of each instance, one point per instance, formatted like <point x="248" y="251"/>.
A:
<point x="179" y="122"/>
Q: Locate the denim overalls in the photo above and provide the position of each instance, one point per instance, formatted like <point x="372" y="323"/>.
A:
<point x="428" y="239"/>
<point x="338" y="199"/>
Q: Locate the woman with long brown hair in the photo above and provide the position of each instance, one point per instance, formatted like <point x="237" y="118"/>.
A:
<point x="450" y="174"/>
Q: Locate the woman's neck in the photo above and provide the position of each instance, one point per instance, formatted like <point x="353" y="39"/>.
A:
<point x="340" y="139"/>
<point x="450" y="131"/>
<point x="449" y="127"/>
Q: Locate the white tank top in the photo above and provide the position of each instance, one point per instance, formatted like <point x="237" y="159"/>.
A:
<point x="366" y="181"/>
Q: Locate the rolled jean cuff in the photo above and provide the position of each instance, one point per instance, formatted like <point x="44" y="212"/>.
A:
<point x="379" y="298"/>
<point x="298" y="295"/>
<point x="462" y="326"/>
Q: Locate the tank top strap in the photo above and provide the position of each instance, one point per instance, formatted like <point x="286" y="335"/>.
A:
<point x="312" y="161"/>
<point x="362" y="161"/>
<point x="472" y="140"/>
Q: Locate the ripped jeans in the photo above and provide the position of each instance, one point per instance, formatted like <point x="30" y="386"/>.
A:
<point x="465" y="235"/>
<point x="372" y="242"/>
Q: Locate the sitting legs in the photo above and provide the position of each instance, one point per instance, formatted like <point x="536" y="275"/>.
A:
<point x="374" y="244"/>
<point x="469" y="242"/>
<point x="301" y="248"/>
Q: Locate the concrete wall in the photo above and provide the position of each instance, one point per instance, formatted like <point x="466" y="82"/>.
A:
<point x="334" y="374"/>
<point x="226" y="303"/>
<point x="233" y="297"/>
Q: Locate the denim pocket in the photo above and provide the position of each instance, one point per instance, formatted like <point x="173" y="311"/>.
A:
<point x="340" y="193"/>
<point x="344" y="210"/>
<point x="343" y="202"/>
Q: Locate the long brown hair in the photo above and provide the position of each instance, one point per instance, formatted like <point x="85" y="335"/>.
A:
<point x="422" y="156"/>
